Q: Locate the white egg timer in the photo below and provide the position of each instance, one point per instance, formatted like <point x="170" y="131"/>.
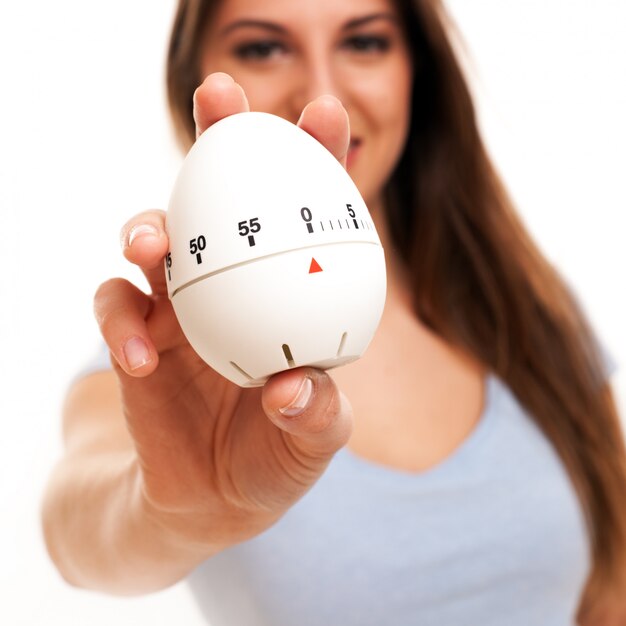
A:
<point x="274" y="261"/>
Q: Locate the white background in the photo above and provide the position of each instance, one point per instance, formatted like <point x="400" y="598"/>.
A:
<point x="85" y="143"/>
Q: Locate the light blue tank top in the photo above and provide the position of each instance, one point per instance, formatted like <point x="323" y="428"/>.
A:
<point x="492" y="536"/>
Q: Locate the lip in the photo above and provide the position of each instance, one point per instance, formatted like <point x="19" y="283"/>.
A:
<point x="353" y="150"/>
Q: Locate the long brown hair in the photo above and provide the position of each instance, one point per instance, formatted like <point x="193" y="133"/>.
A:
<point x="479" y="281"/>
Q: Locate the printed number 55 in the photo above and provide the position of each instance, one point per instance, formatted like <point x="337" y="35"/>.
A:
<point x="249" y="226"/>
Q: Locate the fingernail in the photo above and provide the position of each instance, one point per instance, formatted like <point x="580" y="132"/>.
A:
<point x="141" y="230"/>
<point x="136" y="353"/>
<point x="301" y="400"/>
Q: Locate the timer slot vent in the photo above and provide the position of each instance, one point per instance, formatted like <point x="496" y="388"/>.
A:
<point x="342" y="344"/>
<point x="288" y="355"/>
<point x="241" y="371"/>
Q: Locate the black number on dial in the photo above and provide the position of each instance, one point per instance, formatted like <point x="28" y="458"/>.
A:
<point x="352" y="214"/>
<point x="168" y="264"/>
<point x="306" y="215"/>
<point x="196" y="246"/>
<point x="249" y="226"/>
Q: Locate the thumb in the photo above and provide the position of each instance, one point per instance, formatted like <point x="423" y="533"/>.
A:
<point x="306" y="403"/>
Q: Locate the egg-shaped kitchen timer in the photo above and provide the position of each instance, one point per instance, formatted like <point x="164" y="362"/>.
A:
<point x="274" y="261"/>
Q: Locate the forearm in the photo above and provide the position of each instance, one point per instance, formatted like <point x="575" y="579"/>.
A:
<point x="100" y="534"/>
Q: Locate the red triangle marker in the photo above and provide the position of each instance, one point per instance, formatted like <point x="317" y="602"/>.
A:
<point x="315" y="267"/>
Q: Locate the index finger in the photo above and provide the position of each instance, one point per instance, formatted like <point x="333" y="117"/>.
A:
<point x="217" y="97"/>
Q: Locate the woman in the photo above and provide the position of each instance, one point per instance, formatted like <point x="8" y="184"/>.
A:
<point x="483" y="477"/>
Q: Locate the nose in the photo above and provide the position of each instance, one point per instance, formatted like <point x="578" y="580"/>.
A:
<point x="318" y="78"/>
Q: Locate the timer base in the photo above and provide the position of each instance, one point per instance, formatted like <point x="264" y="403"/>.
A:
<point x="320" y="309"/>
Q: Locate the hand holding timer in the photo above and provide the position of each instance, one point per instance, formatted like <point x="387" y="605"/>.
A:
<point x="274" y="261"/>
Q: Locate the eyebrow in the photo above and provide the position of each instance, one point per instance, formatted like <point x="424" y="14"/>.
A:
<point x="277" y="28"/>
<point x="252" y="24"/>
<point x="361" y="21"/>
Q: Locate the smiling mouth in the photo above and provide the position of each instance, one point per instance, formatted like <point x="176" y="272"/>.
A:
<point x="353" y="148"/>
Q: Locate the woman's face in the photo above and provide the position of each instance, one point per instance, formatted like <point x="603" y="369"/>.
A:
<point x="285" y="53"/>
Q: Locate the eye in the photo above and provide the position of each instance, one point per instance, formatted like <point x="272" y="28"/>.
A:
<point x="367" y="43"/>
<point x="259" y="50"/>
